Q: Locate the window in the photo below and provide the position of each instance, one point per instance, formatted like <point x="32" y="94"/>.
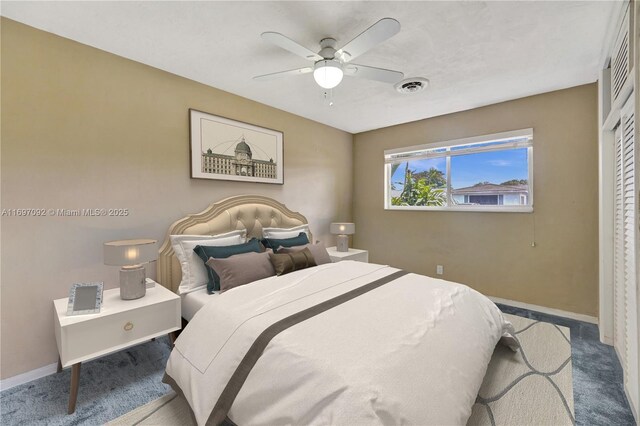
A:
<point x="484" y="173"/>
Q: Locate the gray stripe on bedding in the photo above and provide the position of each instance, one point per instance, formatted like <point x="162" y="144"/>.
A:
<point x="222" y="407"/>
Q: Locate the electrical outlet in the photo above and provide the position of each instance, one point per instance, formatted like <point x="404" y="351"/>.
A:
<point x="439" y="269"/>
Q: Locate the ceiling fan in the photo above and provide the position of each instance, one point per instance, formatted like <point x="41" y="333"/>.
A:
<point x="330" y="64"/>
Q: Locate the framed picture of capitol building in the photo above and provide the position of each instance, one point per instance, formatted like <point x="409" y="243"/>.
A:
<point x="227" y="149"/>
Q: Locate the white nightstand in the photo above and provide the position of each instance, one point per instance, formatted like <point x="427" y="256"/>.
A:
<point x="119" y="325"/>
<point x="352" y="254"/>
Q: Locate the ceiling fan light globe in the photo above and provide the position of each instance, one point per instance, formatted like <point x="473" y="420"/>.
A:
<point x="328" y="74"/>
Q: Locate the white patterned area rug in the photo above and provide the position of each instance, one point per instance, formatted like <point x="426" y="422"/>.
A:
<point x="531" y="389"/>
<point x="533" y="386"/>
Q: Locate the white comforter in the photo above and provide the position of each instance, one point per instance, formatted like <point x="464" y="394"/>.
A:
<point x="413" y="351"/>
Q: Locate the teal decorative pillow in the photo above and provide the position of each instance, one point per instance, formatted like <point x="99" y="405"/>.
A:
<point x="205" y="252"/>
<point x="274" y="243"/>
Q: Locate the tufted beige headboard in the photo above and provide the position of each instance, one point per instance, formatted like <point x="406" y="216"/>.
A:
<point x="250" y="212"/>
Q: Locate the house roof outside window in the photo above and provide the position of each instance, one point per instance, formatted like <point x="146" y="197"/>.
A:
<point x="491" y="189"/>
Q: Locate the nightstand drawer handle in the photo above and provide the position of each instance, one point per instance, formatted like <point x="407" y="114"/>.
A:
<point x="128" y="326"/>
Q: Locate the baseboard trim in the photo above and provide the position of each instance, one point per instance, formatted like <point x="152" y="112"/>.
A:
<point x="606" y="340"/>
<point x="29" y="376"/>
<point x="631" y="404"/>
<point x="545" y="310"/>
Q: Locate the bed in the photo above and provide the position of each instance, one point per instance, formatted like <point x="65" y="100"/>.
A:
<point x="338" y="343"/>
<point x="250" y="212"/>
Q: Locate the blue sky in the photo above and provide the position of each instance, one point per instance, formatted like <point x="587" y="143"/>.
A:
<point x="467" y="170"/>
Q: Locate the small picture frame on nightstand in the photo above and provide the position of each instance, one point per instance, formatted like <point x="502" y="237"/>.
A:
<point x="85" y="298"/>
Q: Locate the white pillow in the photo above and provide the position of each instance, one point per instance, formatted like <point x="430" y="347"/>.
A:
<point x="194" y="272"/>
<point x="281" y="233"/>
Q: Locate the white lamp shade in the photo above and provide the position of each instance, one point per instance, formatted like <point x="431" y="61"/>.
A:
<point x="129" y="252"/>
<point x="328" y="74"/>
<point x="343" y="228"/>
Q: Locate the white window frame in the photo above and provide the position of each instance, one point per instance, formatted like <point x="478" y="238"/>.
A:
<point x="401" y="155"/>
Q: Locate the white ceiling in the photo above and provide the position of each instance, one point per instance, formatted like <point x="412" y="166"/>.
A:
<point x="474" y="53"/>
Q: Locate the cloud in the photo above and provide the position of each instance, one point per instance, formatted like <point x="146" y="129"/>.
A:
<point x="426" y="164"/>
<point x="500" y="163"/>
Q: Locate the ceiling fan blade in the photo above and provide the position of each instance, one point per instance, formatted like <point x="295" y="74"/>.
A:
<point x="276" y="75"/>
<point x="287" y="44"/>
<point x="373" y="73"/>
<point x="375" y="34"/>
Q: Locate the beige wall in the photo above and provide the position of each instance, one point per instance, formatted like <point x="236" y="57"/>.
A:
<point x="82" y="128"/>
<point x="492" y="252"/>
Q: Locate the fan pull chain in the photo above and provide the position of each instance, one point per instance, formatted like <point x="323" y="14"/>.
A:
<point x="328" y="97"/>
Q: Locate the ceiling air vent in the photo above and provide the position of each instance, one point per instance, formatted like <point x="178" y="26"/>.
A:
<point x="412" y="85"/>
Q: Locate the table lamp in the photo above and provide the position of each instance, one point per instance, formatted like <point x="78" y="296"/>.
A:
<point x="131" y="255"/>
<point x="343" y="230"/>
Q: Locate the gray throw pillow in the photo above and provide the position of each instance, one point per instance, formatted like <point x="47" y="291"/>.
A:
<point x="319" y="252"/>
<point x="241" y="269"/>
<point x="289" y="262"/>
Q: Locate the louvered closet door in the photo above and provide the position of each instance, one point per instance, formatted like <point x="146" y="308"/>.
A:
<point x="620" y="63"/>
<point x="626" y="234"/>
<point x="630" y="208"/>
<point x="618" y="255"/>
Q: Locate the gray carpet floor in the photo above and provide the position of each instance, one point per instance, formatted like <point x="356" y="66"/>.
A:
<point x="598" y="394"/>
<point x="116" y="384"/>
<point x="109" y="387"/>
